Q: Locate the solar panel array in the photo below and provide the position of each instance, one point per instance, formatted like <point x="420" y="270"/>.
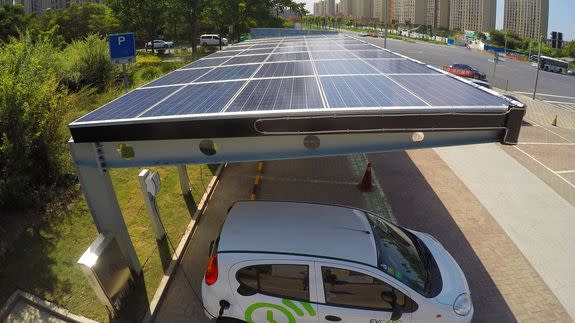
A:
<point x="304" y="73"/>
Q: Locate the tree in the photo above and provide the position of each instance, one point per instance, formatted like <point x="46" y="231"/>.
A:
<point x="144" y="17"/>
<point x="81" y="20"/>
<point x="13" y="19"/>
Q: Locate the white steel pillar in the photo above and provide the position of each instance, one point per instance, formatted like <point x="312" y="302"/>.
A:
<point x="184" y="180"/>
<point x="101" y="199"/>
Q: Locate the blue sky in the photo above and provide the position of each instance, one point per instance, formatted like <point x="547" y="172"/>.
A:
<point x="561" y="16"/>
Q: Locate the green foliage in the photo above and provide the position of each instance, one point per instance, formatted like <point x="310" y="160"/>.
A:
<point x="81" y="20"/>
<point x="32" y="105"/>
<point x="13" y="19"/>
<point x="150" y="73"/>
<point x="86" y="63"/>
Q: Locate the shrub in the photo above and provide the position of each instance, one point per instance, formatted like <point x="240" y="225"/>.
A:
<point x="147" y="59"/>
<point x="32" y="105"/>
<point x="151" y="73"/>
<point x="86" y="63"/>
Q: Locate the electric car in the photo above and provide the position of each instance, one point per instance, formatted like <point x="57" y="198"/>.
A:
<point x="303" y="262"/>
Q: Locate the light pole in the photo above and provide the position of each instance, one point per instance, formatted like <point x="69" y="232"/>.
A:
<point x="538" y="67"/>
<point x="385" y="24"/>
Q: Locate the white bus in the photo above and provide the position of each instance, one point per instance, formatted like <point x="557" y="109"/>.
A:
<point x="551" y="64"/>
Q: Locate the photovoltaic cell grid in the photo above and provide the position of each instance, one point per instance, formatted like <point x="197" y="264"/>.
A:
<point x="295" y="73"/>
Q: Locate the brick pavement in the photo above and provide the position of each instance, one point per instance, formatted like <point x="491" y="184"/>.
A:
<point x="504" y="285"/>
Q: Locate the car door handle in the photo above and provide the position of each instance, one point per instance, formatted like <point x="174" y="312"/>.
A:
<point x="333" y="318"/>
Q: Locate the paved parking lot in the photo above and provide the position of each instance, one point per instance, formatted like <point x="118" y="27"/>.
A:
<point x="416" y="189"/>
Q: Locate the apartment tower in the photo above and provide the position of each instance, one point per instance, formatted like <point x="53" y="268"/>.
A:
<point x="476" y="15"/>
<point x="437" y="14"/>
<point x="379" y="10"/>
<point x="528" y="18"/>
<point x="409" y="12"/>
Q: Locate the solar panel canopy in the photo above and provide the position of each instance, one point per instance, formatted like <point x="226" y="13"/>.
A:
<point x="227" y="93"/>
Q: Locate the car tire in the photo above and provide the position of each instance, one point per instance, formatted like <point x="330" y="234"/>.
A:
<point x="228" y="320"/>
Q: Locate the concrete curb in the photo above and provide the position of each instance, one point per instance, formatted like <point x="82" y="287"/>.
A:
<point x="42" y="305"/>
<point x="177" y="256"/>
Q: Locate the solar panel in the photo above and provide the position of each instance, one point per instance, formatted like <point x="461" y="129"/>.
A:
<point x="207" y="62"/>
<point x="289" y="57"/>
<point x="130" y="105"/>
<point x="197" y="99"/>
<point x="401" y="66"/>
<point x="283" y="76"/>
<point x="179" y="77"/>
<point x="278" y="94"/>
<point x="246" y="59"/>
<point x="286" y="69"/>
<point x="257" y="51"/>
<point x="290" y="49"/>
<point x="229" y="73"/>
<point x="366" y="91"/>
<point x="442" y="90"/>
<point x="332" y="55"/>
<point x="343" y="67"/>
<point x="359" y="47"/>
<point x="374" y="54"/>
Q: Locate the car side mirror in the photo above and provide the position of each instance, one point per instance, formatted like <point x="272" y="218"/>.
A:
<point x="246" y="290"/>
<point x="396" y="312"/>
<point x="391" y="298"/>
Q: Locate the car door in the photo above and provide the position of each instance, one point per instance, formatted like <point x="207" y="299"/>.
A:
<point x="352" y="294"/>
<point x="275" y="291"/>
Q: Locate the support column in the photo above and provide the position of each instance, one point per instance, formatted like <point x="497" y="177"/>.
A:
<point x="184" y="180"/>
<point x="101" y="199"/>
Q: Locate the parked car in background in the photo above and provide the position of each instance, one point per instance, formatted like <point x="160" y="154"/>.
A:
<point x="472" y="71"/>
<point x="304" y="262"/>
<point x="212" y="40"/>
<point x="363" y="34"/>
<point x="159" y="44"/>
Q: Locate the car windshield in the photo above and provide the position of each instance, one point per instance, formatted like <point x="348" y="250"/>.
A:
<point x="401" y="255"/>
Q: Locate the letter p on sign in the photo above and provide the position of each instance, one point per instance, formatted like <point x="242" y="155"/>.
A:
<point x="121" y="39"/>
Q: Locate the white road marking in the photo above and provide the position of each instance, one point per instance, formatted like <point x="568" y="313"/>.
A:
<point x="545" y="166"/>
<point x="566" y="171"/>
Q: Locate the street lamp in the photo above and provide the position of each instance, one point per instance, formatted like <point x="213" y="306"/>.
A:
<point x="385" y="24"/>
<point x="538" y="67"/>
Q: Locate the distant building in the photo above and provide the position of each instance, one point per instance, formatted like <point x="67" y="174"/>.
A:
<point x="528" y="18"/>
<point x="379" y="10"/>
<point x="478" y="15"/>
<point x="324" y="8"/>
<point x="437" y="14"/>
<point x="409" y="12"/>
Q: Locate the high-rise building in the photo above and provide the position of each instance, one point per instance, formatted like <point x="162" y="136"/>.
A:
<point x="476" y="15"/>
<point x="437" y="14"/>
<point x="40" y="6"/>
<point x="409" y="12"/>
<point x="324" y="8"/>
<point x="379" y="10"/>
<point x="528" y="18"/>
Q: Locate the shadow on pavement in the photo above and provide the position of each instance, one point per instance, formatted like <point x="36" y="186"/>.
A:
<point x="415" y="205"/>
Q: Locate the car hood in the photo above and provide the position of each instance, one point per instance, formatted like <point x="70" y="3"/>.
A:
<point x="453" y="279"/>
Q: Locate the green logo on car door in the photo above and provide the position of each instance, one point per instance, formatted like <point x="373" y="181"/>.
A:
<point x="273" y="309"/>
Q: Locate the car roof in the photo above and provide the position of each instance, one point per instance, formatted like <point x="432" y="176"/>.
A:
<point x="299" y="228"/>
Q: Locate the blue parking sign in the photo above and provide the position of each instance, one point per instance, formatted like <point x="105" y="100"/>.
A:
<point x="122" y="48"/>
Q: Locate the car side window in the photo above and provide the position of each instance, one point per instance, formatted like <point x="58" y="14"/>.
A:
<point x="281" y="280"/>
<point x="348" y="288"/>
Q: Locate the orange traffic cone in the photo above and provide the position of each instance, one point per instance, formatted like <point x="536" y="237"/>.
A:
<point x="366" y="184"/>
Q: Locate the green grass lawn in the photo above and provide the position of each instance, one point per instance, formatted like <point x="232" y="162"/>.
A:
<point x="43" y="259"/>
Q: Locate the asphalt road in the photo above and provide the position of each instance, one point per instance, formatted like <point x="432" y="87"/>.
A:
<point x="552" y="87"/>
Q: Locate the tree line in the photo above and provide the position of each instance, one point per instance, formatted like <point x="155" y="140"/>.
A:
<point x="179" y="20"/>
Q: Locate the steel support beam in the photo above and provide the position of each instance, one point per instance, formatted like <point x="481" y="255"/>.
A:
<point x="101" y="199"/>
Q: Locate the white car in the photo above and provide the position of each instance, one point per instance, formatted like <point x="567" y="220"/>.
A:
<point x="302" y="262"/>
<point x="212" y="40"/>
<point x="160" y="44"/>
